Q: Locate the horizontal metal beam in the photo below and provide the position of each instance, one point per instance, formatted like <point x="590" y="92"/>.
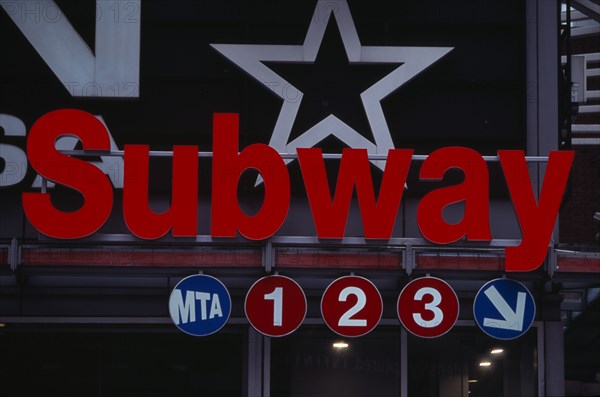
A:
<point x="587" y="7"/>
<point x="585" y="31"/>
<point x="285" y="156"/>
<point x="154" y="320"/>
<point x="589" y="57"/>
<point x="590" y="108"/>
<point x="575" y="16"/>
<point x="586" y="127"/>
<point x="394" y="242"/>
<point x="586" y="141"/>
<point x="563" y="253"/>
<point x="98" y="320"/>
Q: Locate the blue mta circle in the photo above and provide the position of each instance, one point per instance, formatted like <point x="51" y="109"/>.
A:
<point x="200" y="305"/>
<point x="504" y="309"/>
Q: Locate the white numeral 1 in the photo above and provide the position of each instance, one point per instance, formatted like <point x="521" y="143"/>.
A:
<point x="277" y="297"/>
<point x="432" y="306"/>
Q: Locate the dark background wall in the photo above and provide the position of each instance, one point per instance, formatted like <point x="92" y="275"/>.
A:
<point x="475" y="96"/>
<point x="583" y="199"/>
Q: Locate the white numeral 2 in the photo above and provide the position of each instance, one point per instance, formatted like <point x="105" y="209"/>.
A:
<point x="346" y="320"/>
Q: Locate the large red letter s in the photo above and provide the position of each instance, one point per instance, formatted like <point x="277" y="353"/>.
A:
<point x="86" y="178"/>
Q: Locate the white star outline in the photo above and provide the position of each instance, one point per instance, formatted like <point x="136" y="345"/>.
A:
<point x="413" y="60"/>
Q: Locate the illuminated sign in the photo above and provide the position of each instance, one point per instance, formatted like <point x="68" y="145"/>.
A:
<point x="536" y="218"/>
<point x="275" y="305"/>
<point x="430" y="86"/>
<point x="200" y="305"/>
<point x="504" y="309"/>
<point x="351" y="306"/>
<point x="428" y="307"/>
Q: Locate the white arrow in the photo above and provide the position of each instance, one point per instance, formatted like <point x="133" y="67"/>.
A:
<point x="512" y="319"/>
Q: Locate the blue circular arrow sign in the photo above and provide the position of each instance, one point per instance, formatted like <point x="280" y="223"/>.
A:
<point x="504" y="309"/>
<point x="200" y="305"/>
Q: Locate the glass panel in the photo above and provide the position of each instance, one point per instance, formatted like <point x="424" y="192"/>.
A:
<point x="174" y="365"/>
<point x="307" y="363"/>
<point x="466" y="362"/>
<point x="121" y="364"/>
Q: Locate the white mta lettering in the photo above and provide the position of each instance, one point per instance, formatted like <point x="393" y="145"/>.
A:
<point x="215" y="307"/>
<point x="184" y="311"/>
<point x="202" y="297"/>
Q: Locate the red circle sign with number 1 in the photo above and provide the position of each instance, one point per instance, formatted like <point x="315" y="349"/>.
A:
<point x="275" y="305"/>
<point x="351" y="306"/>
<point x="428" y="307"/>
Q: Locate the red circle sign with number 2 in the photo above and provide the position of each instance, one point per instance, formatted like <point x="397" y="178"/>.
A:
<point x="351" y="306"/>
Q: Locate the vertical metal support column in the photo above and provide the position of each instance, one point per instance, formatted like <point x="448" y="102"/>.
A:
<point x="403" y="363"/>
<point x="408" y="259"/>
<point x="542" y="33"/>
<point x="259" y="364"/>
<point x="554" y="354"/>
<point x="549" y="80"/>
<point x="541" y="367"/>
<point x="543" y="77"/>
<point x="266" y="366"/>
<point x="551" y="260"/>
<point x="566" y="100"/>
<point x="268" y="257"/>
<point x="255" y="363"/>
<point x="14" y="254"/>
<point x="548" y="21"/>
<point x="531" y="48"/>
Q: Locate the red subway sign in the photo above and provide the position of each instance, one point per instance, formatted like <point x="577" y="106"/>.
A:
<point x="536" y="217"/>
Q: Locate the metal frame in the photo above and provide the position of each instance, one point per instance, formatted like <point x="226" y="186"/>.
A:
<point x="254" y="369"/>
<point x="542" y="100"/>
<point x="285" y="156"/>
<point x="259" y="347"/>
<point x="541" y="344"/>
<point x="265" y="348"/>
<point x="14" y="254"/>
<point x="409" y="248"/>
<point x="276" y="240"/>
<point x="403" y="363"/>
<point x="49" y="320"/>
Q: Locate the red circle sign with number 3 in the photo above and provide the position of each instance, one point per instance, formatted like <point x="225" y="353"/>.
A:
<point x="428" y="307"/>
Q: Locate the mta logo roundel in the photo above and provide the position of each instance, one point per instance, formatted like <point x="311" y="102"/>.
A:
<point x="200" y="305"/>
<point x="504" y="309"/>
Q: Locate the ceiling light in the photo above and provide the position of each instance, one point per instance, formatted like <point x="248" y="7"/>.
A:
<point x="472" y="380"/>
<point x="340" y="345"/>
<point x="485" y="364"/>
<point x="497" y="351"/>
